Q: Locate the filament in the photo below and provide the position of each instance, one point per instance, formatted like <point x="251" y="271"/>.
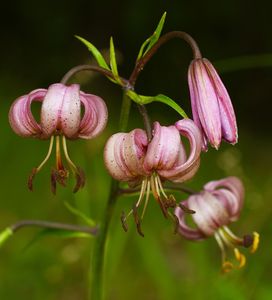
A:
<point x="47" y="155"/>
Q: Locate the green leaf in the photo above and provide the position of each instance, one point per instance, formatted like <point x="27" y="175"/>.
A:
<point x="149" y="43"/>
<point x="5" y="235"/>
<point x="79" y="214"/>
<point x="159" y="98"/>
<point x="96" y="53"/>
<point x="113" y="62"/>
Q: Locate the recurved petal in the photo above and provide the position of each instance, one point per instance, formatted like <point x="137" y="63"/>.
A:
<point x="228" y="119"/>
<point x="209" y="214"/>
<point x="163" y="150"/>
<point x="95" y="116"/>
<point x="204" y="93"/>
<point x="21" y="118"/>
<point x="232" y="204"/>
<point x="70" y="111"/>
<point x="182" y="171"/>
<point x="232" y="183"/>
<point x="123" y="155"/>
<point x="51" y="108"/>
<point x="230" y="190"/>
<point x="189" y="233"/>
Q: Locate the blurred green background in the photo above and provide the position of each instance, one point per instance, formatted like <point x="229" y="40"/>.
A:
<point x="37" y="48"/>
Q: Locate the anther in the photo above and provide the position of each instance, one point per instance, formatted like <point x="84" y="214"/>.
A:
<point x="80" y="180"/>
<point x="137" y="220"/>
<point x="30" y="179"/>
<point x="186" y="209"/>
<point x="123" y="221"/>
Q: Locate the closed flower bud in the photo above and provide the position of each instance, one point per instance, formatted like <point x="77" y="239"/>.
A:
<point x="211" y="105"/>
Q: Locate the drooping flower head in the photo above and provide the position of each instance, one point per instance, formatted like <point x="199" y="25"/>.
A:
<point x="60" y="118"/>
<point x="211" y="105"/>
<point x="131" y="158"/>
<point x="215" y="207"/>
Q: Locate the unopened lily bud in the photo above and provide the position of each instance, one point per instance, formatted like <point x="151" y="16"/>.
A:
<point x="211" y="105"/>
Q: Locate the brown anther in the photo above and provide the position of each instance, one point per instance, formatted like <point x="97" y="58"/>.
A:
<point x="137" y="220"/>
<point x="123" y="221"/>
<point x="176" y="221"/>
<point x="30" y="179"/>
<point x="186" y="209"/>
<point x="53" y="181"/>
<point x="170" y="202"/>
<point x="163" y="208"/>
<point x="248" y="240"/>
<point x="80" y="180"/>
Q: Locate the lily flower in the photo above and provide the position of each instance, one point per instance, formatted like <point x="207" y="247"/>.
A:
<point x="129" y="157"/>
<point x="60" y="119"/>
<point x="215" y="207"/>
<point x="211" y="105"/>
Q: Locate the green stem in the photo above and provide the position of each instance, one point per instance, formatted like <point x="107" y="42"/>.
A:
<point x="97" y="263"/>
<point x="124" y="113"/>
<point x="98" y="257"/>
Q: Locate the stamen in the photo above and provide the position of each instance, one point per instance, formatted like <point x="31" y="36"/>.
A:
<point x="36" y="170"/>
<point x="160" y="187"/>
<point x="156" y="193"/>
<point x="123" y="221"/>
<point x="221" y="246"/>
<point x="146" y="199"/>
<point x="240" y="258"/>
<point x="78" y="173"/>
<point x="227" y="266"/>
<point x="186" y="209"/>
<point x="232" y="237"/>
<point x="137" y="221"/>
<point x="134" y="209"/>
<point x="256" y="240"/>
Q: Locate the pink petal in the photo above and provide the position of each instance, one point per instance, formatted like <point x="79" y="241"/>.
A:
<point x="20" y="116"/>
<point x="51" y="108"/>
<point x="189" y="233"/>
<point x="182" y="171"/>
<point x="205" y="102"/>
<point x="235" y="186"/>
<point x="95" y="116"/>
<point x="227" y="115"/>
<point x="163" y="150"/>
<point x="123" y="155"/>
<point x="69" y="117"/>
<point x="210" y="214"/>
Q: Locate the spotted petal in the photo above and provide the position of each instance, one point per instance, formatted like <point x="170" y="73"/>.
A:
<point x="61" y="110"/>
<point x="163" y="150"/>
<point x="21" y="118"/>
<point x="182" y="171"/>
<point x="124" y="153"/>
<point x="95" y="116"/>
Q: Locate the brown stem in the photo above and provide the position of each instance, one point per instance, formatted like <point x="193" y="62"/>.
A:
<point x="161" y="41"/>
<point x="53" y="225"/>
<point x="97" y="69"/>
<point x="143" y="111"/>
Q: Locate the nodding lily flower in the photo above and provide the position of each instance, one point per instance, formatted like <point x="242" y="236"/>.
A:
<point x="60" y="118"/>
<point x="211" y="105"/>
<point x="215" y="207"/>
<point x="130" y="158"/>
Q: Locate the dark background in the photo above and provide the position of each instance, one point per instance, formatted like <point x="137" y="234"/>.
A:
<point x="37" y="49"/>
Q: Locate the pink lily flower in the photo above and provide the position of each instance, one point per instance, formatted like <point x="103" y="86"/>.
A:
<point x="60" y="118"/>
<point x="215" y="207"/>
<point x="129" y="157"/>
<point x="211" y="105"/>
